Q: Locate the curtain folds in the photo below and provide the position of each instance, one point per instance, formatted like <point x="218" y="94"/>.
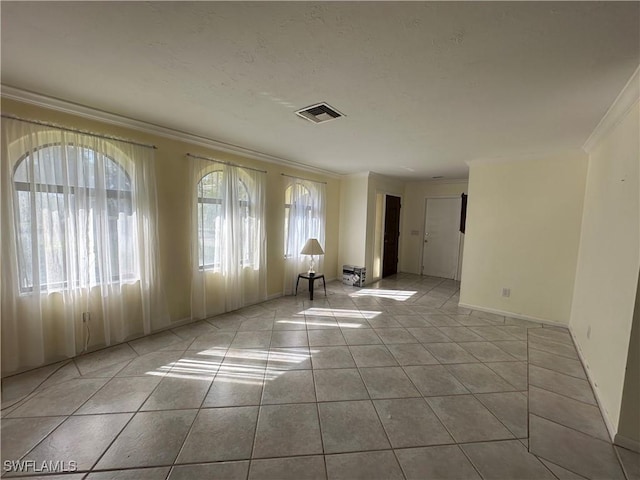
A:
<point x="228" y="248"/>
<point x="79" y="242"/>
<point x="305" y="203"/>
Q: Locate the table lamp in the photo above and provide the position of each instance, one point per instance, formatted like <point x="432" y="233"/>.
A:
<point x="312" y="247"/>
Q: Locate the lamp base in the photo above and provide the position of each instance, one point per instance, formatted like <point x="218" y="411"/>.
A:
<point x="312" y="264"/>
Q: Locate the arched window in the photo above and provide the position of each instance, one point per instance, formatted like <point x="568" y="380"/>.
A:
<point x="293" y="193"/>
<point x="73" y="218"/>
<point x="216" y="205"/>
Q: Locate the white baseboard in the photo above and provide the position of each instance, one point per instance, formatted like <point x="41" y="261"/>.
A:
<point x="626" y="442"/>
<point x="596" y="391"/>
<point x="273" y="296"/>
<point x="513" y="315"/>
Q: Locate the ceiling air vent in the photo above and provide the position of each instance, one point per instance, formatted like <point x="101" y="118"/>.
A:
<point x="319" y="113"/>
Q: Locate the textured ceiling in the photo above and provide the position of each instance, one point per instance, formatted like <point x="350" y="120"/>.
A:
<point x="424" y="86"/>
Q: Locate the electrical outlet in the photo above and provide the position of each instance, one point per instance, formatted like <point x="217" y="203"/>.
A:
<point x="506" y="292"/>
<point x="86" y="316"/>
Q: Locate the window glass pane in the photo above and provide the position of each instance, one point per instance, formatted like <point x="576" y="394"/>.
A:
<point x="77" y="203"/>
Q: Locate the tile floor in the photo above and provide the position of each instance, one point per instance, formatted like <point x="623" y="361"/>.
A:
<point x="392" y="381"/>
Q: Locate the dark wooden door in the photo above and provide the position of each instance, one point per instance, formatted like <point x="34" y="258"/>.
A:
<point x="391" y="236"/>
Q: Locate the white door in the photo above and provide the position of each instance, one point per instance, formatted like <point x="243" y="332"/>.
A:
<point x="442" y="237"/>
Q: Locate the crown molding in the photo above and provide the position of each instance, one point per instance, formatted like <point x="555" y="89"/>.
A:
<point x="64" y="106"/>
<point x="625" y="100"/>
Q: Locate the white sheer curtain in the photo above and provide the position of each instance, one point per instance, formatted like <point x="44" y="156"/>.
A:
<point x="79" y="241"/>
<point x="305" y="218"/>
<point x="228" y="249"/>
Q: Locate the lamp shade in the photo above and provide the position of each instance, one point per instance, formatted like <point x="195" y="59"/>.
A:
<point x="312" y="247"/>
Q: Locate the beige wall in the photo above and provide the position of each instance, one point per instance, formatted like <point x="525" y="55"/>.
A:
<point x="353" y="220"/>
<point x="609" y="258"/>
<point x="629" y="424"/>
<point x="173" y="199"/>
<point x="413" y="213"/>
<point x="523" y="230"/>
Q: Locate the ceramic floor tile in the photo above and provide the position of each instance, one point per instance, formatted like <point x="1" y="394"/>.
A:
<point x="515" y="348"/>
<point x="549" y="346"/>
<point x="253" y="339"/>
<point x="82" y="439"/>
<point x="450" y="353"/>
<point x="216" y="339"/>
<point x="445" y="320"/>
<point x="289" y="338"/>
<point x="391" y="336"/>
<point x="175" y="393"/>
<point x="556" y="335"/>
<point x="442" y="462"/>
<point x="510" y="408"/>
<point x="434" y="380"/>
<point x="291" y="468"/>
<point x="566" y="385"/>
<point x="429" y="335"/>
<point x="412" y="321"/>
<point x="339" y="384"/>
<point x="364" y="466"/>
<point x="150" y="439"/>
<point x="290" y="322"/>
<point x="120" y="395"/>
<point x="630" y="462"/>
<point x="197" y="365"/>
<point x="575" y="451"/>
<point x="388" y="382"/>
<point x="235" y="388"/>
<point x="287" y="430"/>
<point x="513" y="372"/>
<point x="292" y="386"/>
<point x="296" y="358"/>
<point x="109" y="371"/>
<point x="156" y="363"/>
<point x="491" y="333"/>
<point x="411" y="423"/>
<point x="194" y="330"/>
<point x="472" y="321"/>
<point x="331" y="357"/>
<point x="562" y="473"/>
<point x="461" y="334"/>
<point x="515" y="331"/>
<point x="500" y="460"/>
<point x="383" y="321"/>
<point x="568" y="412"/>
<point x="364" y="336"/>
<point x="479" y="378"/>
<point x="467" y="419"/>
<point x="255" y="324"/>
<point x="557" y="363"/>
<point x="104" y="358"/>
<point x="487" y="352"/>
<point x="372" y="356"/>
<point x="220" y="434"/>
<point x="326" y="337"/>
<point x="61" y="399"/>
<point x="340" y="419"/>
<point x="212" y="471"/>
<point x="154" y="342"/>
<point x="153" y="473"/>
<point x="19" y="435"/>
<point x="412" y="354"/>
<point x="66" y="372"/>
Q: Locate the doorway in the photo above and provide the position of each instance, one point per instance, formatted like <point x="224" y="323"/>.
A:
<point x="441" y="246"/>
<point x="391" y="236"/>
